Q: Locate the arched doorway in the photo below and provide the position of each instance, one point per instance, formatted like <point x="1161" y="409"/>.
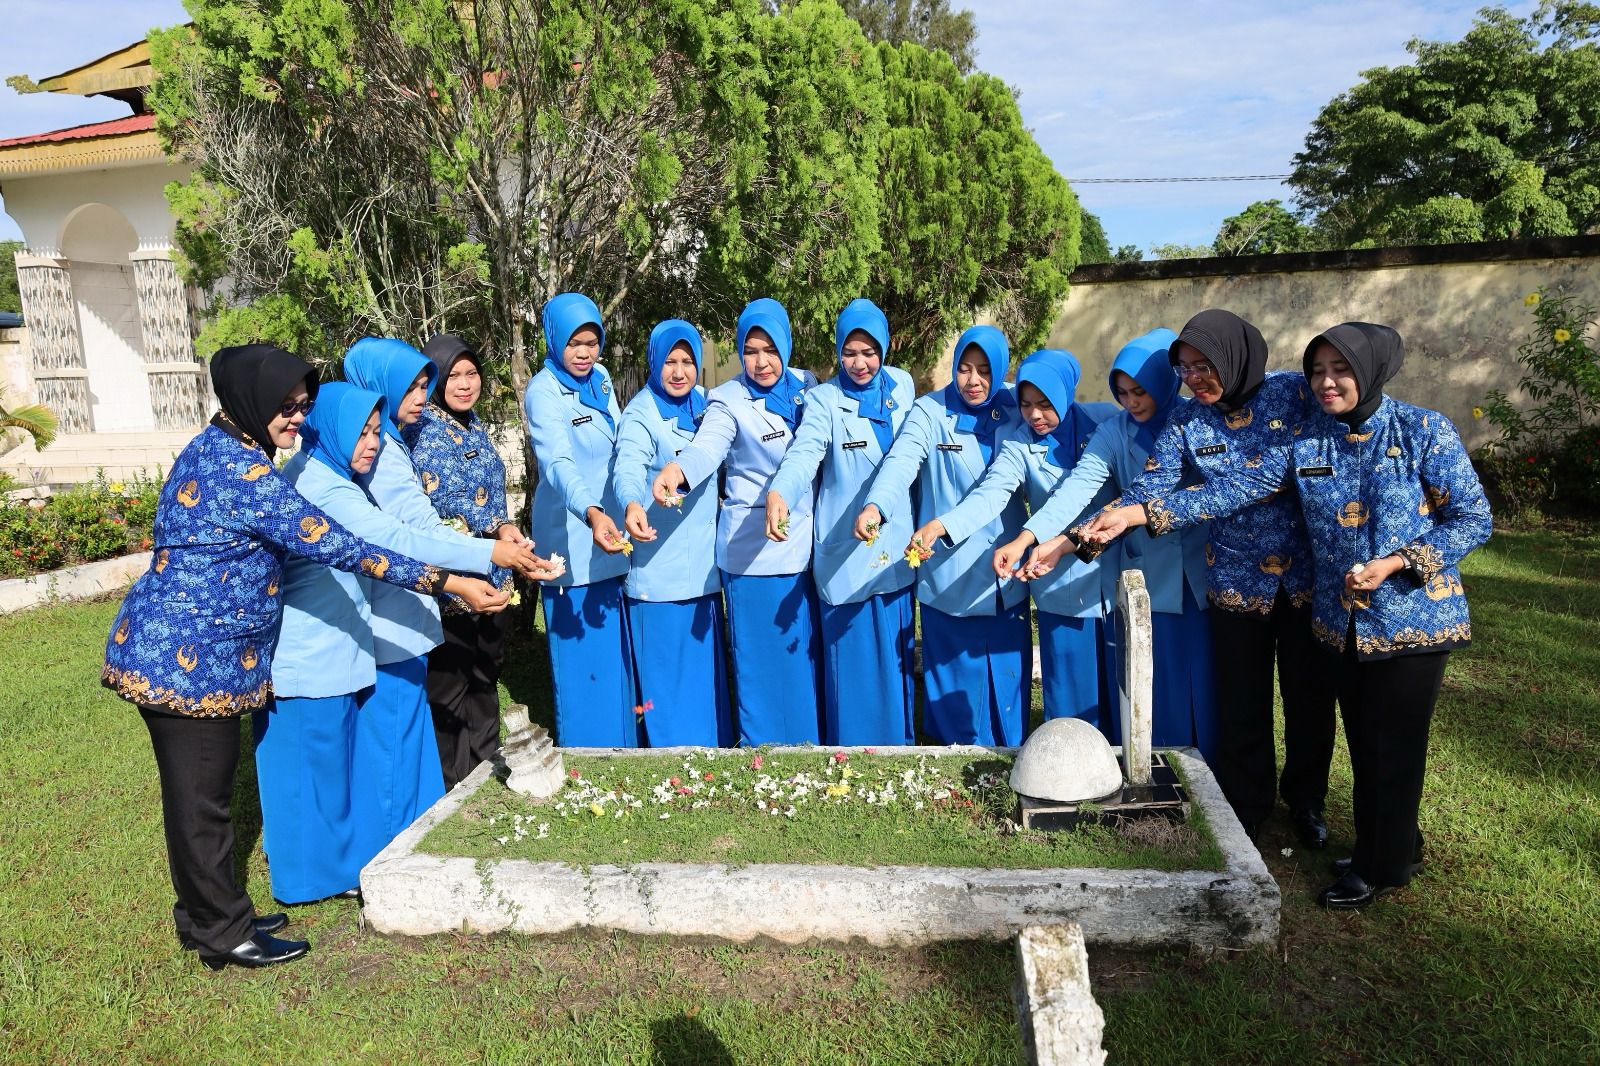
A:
<point x="97" y="240"/>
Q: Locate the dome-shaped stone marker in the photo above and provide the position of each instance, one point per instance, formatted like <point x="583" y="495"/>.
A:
<point x="1067" y="760"/>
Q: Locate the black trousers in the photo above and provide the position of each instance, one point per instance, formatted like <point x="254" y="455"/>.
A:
<point x="463" y="692"/>
<point x="1245" y="648"/>
<point x="196" y="758"/>
<point x="1387" y="706"/>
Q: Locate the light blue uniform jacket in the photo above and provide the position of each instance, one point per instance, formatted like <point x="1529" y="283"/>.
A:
<point x="946" y="463"/>
<point x="574" y="448"/>
<point x="845" y="568"/>
<point x="326" y="645"/>
<point x="1023" y="461"/>
<point x="1115" y="460"/>
<point x="405" y="624"/>
<point x="740" y="436"/>
<point x="680" y="564"/>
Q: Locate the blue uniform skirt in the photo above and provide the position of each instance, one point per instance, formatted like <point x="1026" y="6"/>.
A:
<point x="678" y="661"/>
<point x="591" y="665"/>
<point x="867" y="684"/>
<point x="1184" y="689"/>
<point x="394" y="768"/>
<point x="977" y="672"/>
<point x="773" y="622"/>
<point x="1075" y="682"/>
<point x="303" y="759"/>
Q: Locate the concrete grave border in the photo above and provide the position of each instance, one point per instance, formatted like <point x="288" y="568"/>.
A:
<point x="413" y="893"/>
<point x="82" y="582"/>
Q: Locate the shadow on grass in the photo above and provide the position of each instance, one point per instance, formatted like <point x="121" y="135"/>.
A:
<point x="526" y="672"/>
<point x="684" y="1041"/>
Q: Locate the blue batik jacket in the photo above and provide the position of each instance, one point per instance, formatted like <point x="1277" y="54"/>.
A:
<point x="1252" y="554"/>
<point x="1400" y="483"/>
<point x="463" y="477"/>
<point x="196" y="633"/>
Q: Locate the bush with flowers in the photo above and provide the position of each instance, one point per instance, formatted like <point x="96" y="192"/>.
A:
<point x="1547" y="456"/>
<point x="98" y="520"/>
<point x="818" y="806"/>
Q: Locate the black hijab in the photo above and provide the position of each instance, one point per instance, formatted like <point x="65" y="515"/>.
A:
<point x="1234" y="347"/>
<point x="251" y="381"/>
<point x="444" y="349"/>
<point x="1374" y="353"/>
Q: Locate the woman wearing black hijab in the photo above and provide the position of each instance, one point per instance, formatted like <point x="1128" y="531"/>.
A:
<point x="1393" y="506"/>
<point x="1258" y="569"/>
<point x="192" y="644"/>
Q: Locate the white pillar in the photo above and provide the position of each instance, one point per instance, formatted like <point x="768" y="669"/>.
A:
<point x="1136" y="686"/>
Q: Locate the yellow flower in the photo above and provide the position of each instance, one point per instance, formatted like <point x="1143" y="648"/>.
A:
<point x="116" y="487"/>
<point x="516" y="598"/>
<point x="1562" y="336"/>
<point x="839" y="790"/>
<point x="1530" y="299"/>
<point x="597" y="810"/>
<point x="1477" y="412"/>
<point x="847" y="773"/>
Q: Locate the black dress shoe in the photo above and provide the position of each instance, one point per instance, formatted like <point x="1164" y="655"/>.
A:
<point x="1351" y="893"/>
<point x="259" y="950"/>
<point x="1310" y="827"/>
<point x="265" y="923"/>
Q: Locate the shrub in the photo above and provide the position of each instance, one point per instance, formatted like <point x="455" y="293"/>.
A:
<point x="94" y="521"/>
<point x="1548" y="453"/>
<point x="28" y="541"/>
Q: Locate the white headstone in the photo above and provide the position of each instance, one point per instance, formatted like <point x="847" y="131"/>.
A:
<point x="530" y="756"/>
<point x="1067" y="760"/>
<point x="1061" y="1024"/>
<point x="1138" y="675"/>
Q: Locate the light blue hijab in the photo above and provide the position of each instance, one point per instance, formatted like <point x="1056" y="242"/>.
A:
<point x="1145" y="360"/>
<point x="1055" y="373"/>
<point x="387" y="367"/>
<point x="688" y="408"/>
<point x="335" y="424"/>
<point x="872" y="397"/>
<point x="982" y="420"/>
<point x="782" y="397"/>
<point x="565" y="314"/>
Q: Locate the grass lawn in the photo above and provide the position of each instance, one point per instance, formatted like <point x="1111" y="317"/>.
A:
<point x="1492" y="955"/>
<point x="819" y="807"/>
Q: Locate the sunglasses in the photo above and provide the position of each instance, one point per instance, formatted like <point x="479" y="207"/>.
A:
<point x="301" y="407"/>
<point x="1195" y="370"/>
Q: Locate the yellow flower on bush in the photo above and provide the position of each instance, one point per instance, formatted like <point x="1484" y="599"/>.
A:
<point x="1562" y="336"/>
<point x="1477" y="412"/>
<point x="1530" y="300"/>
<point x="116" y="487"/>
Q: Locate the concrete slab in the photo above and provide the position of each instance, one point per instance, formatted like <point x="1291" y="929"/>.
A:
<point x="72" y="582"/>
<point x="413" y="893"/>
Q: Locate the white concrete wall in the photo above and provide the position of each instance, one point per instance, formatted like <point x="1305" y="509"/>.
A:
<point x="108" y="322"/>
<point x="42" y="204"/>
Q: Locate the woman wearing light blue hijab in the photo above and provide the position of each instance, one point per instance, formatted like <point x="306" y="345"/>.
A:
<point x="673" y="591"/>
<point x="310" y="756"/>
<point x="1070" y="602"/>
<point x="748" y="425"/>
<point x="1174" y="568"/>
<point x="977" y="646"/>
<point x="867" y="605"/>
<point x="572" y="418"/>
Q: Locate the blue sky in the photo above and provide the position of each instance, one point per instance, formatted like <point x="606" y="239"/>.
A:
<point x="1111" y="88"/>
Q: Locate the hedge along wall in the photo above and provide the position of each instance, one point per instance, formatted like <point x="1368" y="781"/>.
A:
<point x="1458" y="306"/>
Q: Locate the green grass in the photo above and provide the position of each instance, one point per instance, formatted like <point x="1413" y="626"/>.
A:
<point x="1491" y="955"/>
<point x="721" y="808"/>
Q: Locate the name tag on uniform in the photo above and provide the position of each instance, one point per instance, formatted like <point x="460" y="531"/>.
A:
<point x="852" y="445"/>
<point x="1211" y="449"/>
<point x="951" y="447"/>
<point x="1316" y="471"/>
<point x="473" y="454"/>
<point x="772" y="436"/>
<point x="581" y="421"/>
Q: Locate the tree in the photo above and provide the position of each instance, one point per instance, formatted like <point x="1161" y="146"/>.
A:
<point x="929" y="23"/>
<point x="1263" y="228"/>
<point x="1180" y="251"/>
<point x="10" y="297"/>
<point x="975" y="217"/>
<point x="1127" y="253"/>
<point x="400" y="166"/>
<point x="34" y="419"/>
<point x="1493" y="136"/>
<point x="1092" y="244"/>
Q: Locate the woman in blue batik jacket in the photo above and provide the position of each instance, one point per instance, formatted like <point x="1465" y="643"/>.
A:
<point x="866" y="609"/>
<point x="1142" y="380"/>
<point x="749" y="424"/>
<point x="192" y="644"/>
<point x="977" y="647"/>
<point x="465" y="481"/>
<point x="674" y="595"/>
<point x="1070" y="601"/>
<point x="572" y="416"/>
<point x="1259" y="571"/>
<point x="325" y="669"/>
<point x="1393" y="506"/>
